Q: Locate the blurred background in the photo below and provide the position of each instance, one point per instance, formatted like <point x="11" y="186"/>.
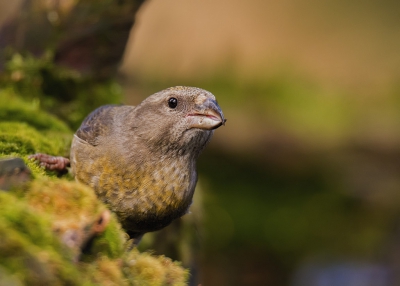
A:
<point x="302" y="186"/>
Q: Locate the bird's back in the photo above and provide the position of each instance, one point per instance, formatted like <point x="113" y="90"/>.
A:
<point x="98" y="124"/>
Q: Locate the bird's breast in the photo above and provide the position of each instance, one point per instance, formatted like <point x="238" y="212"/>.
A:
<point x="146" y="195"/>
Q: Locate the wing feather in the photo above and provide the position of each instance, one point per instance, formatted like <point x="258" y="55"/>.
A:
<point x="96" y="124"/>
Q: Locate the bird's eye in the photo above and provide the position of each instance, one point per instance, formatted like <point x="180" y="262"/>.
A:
<point x="172" y="102"/>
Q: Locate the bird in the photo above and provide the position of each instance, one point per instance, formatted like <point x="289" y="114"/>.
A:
<point x="141" y="160"/>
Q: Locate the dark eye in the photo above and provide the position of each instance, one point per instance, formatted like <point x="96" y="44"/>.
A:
<point x="172" y="102"/>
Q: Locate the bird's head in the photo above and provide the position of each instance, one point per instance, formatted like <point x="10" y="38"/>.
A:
<point x="180" y="118"/>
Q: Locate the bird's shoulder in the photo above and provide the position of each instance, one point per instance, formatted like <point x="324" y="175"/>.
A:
<point x="99" y="123"/>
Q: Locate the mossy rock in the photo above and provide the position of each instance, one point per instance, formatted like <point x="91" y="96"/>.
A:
<point x="30" y="251"/>
<point x="45" y="224"/>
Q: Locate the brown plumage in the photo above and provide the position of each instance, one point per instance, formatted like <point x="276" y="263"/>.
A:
<point x="141" y="161"/>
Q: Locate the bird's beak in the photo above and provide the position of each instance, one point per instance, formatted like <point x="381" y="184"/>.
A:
<point x="206" y="115"/>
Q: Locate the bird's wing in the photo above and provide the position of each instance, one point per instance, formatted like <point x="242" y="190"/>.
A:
<point x="96" y="124"/>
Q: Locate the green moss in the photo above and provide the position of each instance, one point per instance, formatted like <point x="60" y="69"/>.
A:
<point x="63" y="198"/>
<point x="105" y="271"/>
<point x="112" y="241"/>
<point x="36" y="223"/>
<point x="21" y="219"/>
<point x="56" y="89"/>
<point x="21" y="138"/>
<point x="15" y="109"/>
<point x="148" y="270"/>
<point x="25" y="130"/>
<point x="137" y="269"/>
<point x="74" y="211"/>
<point x="30" y="250"/>
<point x="15" y="144"/>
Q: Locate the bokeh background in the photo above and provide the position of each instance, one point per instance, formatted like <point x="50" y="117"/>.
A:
<point x="302" y="185"/>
